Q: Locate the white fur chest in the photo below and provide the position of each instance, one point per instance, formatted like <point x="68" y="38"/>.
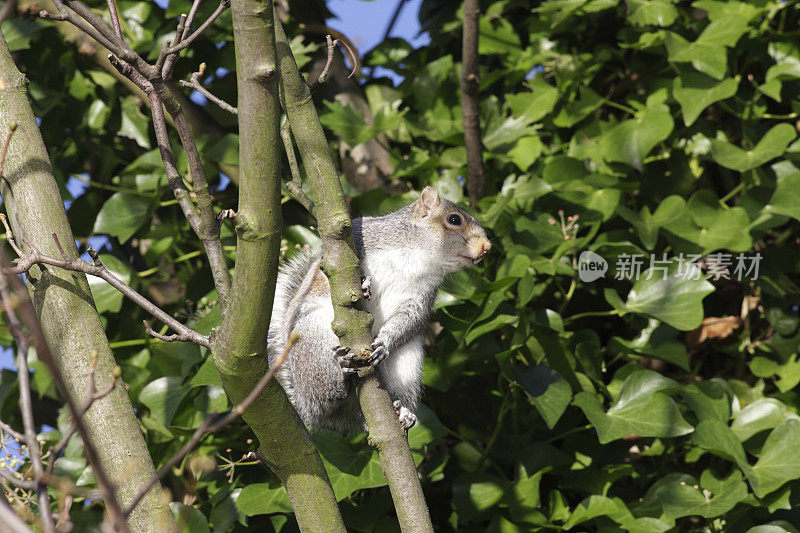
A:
<point x="397" y="276"/>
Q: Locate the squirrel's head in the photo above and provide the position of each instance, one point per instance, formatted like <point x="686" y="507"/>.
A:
<point x="457" y="235"/>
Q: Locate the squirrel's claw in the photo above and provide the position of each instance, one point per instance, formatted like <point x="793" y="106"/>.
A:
<point x="407" y="418"/>
<point x="379" y="352"/>
<point x="366" y="285"/>
<point x="345" y="359"/>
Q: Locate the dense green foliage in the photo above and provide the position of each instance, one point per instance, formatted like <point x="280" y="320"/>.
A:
<point x="640" y="127"/>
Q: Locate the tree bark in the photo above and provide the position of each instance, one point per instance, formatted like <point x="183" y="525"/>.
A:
<point x="65" y="306"/>
<point x="470" y="108"/>
<point x="351" y="323"/>
<point x="240" y="346"/>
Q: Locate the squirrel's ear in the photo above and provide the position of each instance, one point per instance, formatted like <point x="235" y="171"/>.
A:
<point x="428" y="202"/>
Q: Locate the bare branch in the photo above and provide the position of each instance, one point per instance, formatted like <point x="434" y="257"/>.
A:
<point x="10" y="235"/>
<point x="213" y="424"/>
<point x="149" y="78"/>
<point x="184" y="25"/>
<point x="27" y="260"/>
<point x="341" y="39"/>
<point x="185" y="42"/>
<point x="194" y="83"/>
<point x="295" y="185"/>
<point x="26" y="405"/>
<point x="112" y="11"/>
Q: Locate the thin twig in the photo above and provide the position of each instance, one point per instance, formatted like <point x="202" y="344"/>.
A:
<point x="12" y="127"/>
<point x="184" y="26"/>
<point x="112" y="11"/>
<point x="342" y="39"/>
<point x="177" y="47"/>
<point x="195" y="83"/>
<point x="8" y="429"/>
<point x="295" y="185"/>
<point x="97" y="269"/>
<point x="393" y="20"/>
<point x="210" y="425"/>
<point x="26" y="405"/>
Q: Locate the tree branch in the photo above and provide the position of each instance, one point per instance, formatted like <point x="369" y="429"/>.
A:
<point x="24" y="263"/>
<point x="331" y="47"/>
<point x="212" y="425"/>
<point x="149" y="78"/>
<point x="295" y="185"/>
<point x="470" y="108"/>
<point x="351" y="323"/>
<point x="194" y="83"/>
<point x="240" y="345"/>
<point x="70" y="324"/>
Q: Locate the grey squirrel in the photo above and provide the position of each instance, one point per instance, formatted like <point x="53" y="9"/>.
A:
<point x="405" y="256"/>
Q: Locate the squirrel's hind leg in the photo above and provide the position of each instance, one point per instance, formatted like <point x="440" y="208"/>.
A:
<point x="319" y="384"/>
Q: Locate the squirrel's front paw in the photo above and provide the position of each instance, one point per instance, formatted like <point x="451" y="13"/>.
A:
<point x="406" y="417"/>
<point x="366" y="286"/>
<point x="345" y="359"/>
<point x="379" y="352"/>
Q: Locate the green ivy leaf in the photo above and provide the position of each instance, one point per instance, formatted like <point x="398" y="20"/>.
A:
<point x="652" y="12"/>
<point x="695" y="91"/>
<point x="189" y="519"/>
<point x="708" y="52"/>
<point x="122" y="215"/>
<point x="761" y="415"/>
<point x="771" y="145"/>
<point x="549" y="392"/>
<point x="643" y="409"/>
<point x="351" y="467"/>
<point x="678" y="301"/>
<point x="163" y="396"/>
<point x="263" y="498"/>
<point x="630" y="141"/>
<point x="778" y="462"/>
<point x="712" y="497"/>
<point x="107" y="298"/>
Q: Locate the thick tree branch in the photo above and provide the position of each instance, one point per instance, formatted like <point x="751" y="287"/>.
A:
<point x="352" y="324"/>
<point x="239" y="347"/>
<point x="64" y="305"/>
<point x="470" y="108"/>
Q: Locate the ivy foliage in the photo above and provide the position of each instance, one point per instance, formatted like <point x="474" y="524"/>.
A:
<point x="632" y="130"/>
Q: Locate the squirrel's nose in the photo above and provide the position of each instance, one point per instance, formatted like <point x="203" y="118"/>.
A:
<point x="486" y="247"/>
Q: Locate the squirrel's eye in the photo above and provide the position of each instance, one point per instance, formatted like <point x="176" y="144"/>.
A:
<point x="454" y="220"/>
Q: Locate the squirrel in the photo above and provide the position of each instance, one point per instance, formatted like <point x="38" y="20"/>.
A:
<point x="405" y="256"/>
